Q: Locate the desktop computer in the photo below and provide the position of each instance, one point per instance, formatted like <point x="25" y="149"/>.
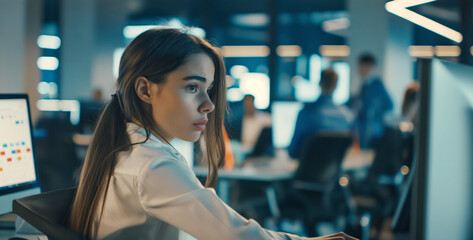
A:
<point x="17" y="163"/>
<point x="284" y="117"/>
<point x="442" y="201"/>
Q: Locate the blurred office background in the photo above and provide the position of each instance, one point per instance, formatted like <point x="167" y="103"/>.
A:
<point x="65" y="55"/>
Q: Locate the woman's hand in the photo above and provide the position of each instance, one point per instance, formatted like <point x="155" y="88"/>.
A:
<point x="336" y="236"/>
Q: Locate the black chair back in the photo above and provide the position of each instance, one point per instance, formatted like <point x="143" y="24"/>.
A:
<point x="321" y="157"/>
<point x="49" y="213"/>
<point x="55" y="152"/>
<point x="313" y="192"/>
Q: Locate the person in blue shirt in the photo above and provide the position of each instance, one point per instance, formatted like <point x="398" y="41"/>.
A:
<point x="371" y="104"/>
<point x="321" y="115"/>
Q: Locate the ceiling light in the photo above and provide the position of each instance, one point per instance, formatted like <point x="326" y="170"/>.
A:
<point x="334" y="50"/>
<point x="289" y="50"/>
<point x="245" y="51"/>
<point x="399" y="8"/>
<point x="421" y="51"/>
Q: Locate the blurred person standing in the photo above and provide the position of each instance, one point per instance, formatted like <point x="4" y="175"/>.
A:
<point x="371" y="104"/>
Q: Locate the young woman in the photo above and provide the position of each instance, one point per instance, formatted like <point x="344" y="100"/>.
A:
<point x="134" y="184"/>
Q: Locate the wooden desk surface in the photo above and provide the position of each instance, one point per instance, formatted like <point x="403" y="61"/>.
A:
<point x="277" y="169"/>
<point x="262" y="169"/>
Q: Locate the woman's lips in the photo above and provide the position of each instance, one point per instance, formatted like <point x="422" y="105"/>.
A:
<point x="201" y="124"/>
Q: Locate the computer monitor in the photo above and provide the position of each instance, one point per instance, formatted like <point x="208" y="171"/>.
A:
<point x="284" y="117"/>
<point x="443" y="192"/>
<point x="17" y="165"/>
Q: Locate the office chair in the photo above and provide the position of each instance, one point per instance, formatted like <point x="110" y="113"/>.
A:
<point x="378" y="194"/>
<point x="315" y="184"/>
<point x="49" y="213"/>
<point x="55" y="152"/>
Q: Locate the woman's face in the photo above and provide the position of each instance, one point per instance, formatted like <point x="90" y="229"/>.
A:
<point x="180" y="106"/>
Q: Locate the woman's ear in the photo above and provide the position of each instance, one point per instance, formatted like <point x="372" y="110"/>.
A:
<point x="143" y="89"/>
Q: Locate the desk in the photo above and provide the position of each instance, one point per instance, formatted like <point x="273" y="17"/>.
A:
<point x="269" y="170"/>
<point x="273" y="170"/>
<point x="256" y="169"/>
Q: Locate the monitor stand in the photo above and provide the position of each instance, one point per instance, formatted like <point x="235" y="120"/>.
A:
<point x="7" y="221"/>
<point x="23" y="227"/>
<point x="13" y="226"/>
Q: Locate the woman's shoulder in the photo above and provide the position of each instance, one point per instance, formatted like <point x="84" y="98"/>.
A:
<point x="145" y="151"/>
<point x="140" y="155"/>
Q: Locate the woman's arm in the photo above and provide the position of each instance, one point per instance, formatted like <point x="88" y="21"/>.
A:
<point x="169" y="191"/>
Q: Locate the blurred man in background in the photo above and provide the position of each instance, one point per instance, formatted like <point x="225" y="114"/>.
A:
<point x="321" y="115"/>
<point x="371" y="104"/>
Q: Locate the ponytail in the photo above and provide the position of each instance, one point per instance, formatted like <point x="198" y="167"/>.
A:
<point x="110" y="137"/>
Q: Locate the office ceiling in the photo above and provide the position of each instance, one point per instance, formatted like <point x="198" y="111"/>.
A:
<point x="220" y="12"/>
<point x="145" y="9"/>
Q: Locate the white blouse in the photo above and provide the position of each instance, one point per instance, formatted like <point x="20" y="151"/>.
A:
<point x="154" y="194"/>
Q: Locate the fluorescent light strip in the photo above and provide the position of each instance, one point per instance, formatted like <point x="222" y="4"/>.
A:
<point x="334" y="50"/>
<point x="133" y="31"/>
<point x="447" y="51"/>
<point x="336" y="24"/>
<point x="48" y="42"/>
<point x="47" y="63"/>
<point x="398" y="8"/>
<point x="245" y="51"/>
<point x="411" y="3"/>
<point x="289" y="50"/>
<point x="421" y="51"/>
<point x="430" y="51"/>
<point x="53" y="105"/>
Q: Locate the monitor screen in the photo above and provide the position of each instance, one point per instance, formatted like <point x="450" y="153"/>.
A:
<point x="284" y="117"/>
<point x="443" y="190"/>
<point x="17" y="166"/>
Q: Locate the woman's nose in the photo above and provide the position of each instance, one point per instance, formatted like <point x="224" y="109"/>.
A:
<point x="207" y="106"/>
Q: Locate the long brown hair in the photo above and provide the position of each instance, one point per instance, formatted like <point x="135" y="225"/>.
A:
<point x="153" y="54"/>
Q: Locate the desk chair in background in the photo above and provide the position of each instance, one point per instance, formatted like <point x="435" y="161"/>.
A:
<point x="377" y="195"/>
<point x="49" y="213"/>
<point x="56" y="152"/>
<point x="314" y="191"/>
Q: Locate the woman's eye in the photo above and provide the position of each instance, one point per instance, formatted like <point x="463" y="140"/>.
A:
<point x="209" y="90"/>
<point x="192" y="88"/>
